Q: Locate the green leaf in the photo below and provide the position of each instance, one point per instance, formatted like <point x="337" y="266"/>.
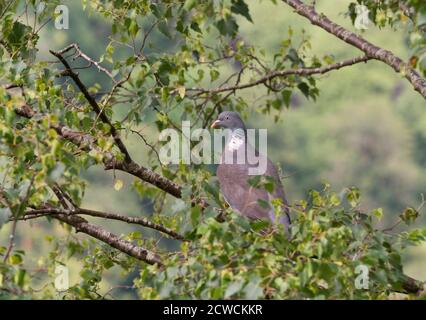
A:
<point x="5" y="214"/>
<point x="164" y="29"/>
<point x="378" y="213"/>
<point x="253" y="289"/>
<point x="133" y="28"/>
<point x="214" y="74"/>
<point x="286" y="94"/>
<point x="258" y="225"/>
<point x="409" y="215"/>
<point x="353" y="196"/>
<point x="263" y="203"/>
<point x="16" y="36"/>
<point x="20" y="277"/>
<point x="240" y="7"/>
<point x="118" y="184"/>
<point x="195" y="27"/>
<point x="15" y="259"/>
<point x="233" y="288"/>
<point x="304" y="88"/>
<point x="211" y="189"/>
<point x="195" y="215"/>
<point x="189" y="4"/>
<point x="254" y="181"/>
<point x="227" y="26"/>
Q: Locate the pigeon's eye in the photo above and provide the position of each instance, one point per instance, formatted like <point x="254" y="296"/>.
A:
<point x="227" y="118"/>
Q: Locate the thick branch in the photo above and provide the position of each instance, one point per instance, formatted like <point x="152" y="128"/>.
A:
<point x="146" y="175"/>
<point x="87" y="142"/>
<point x="110" y="162"/>
<point x="81" y="225"/>
<point x="357" y="41"/>
<point x="410" y="285"/>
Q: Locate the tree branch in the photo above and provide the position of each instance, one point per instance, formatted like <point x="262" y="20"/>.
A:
<point x="128" y="165"/>
<point x="37" y="213"/>
<point x="410" y="285"/>
<point x="357" y="41"/>
<point x="79" y="53"/>
<point x="11" y="240"/>
<point x="69" y="72"/>
<point x="15" y="219"/>
<point x="87" y="142"/>
<point x="284" y="73"/>
<point x="132" y="220"/>
<point x="146" y="175"/>
<point x="81" y="225"/>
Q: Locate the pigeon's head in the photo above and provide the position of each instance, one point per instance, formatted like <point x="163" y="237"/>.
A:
<point x="229" y="120"/>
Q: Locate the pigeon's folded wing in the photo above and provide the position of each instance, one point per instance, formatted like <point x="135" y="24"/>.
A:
<point x="240" y="195"/>
<point x="247" y="200"/>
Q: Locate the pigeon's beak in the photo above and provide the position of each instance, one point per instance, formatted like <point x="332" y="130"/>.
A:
<point x="216" y="124"/>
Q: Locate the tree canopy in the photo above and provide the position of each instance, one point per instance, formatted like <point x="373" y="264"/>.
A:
<point x="165" y="62"/>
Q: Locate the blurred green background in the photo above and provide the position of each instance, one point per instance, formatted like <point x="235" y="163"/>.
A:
<point x="366" y="129"/>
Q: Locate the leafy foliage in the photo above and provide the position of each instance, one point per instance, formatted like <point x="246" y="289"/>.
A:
<point x="165" y="62"/>
<point x="397" y="14"/>
<point x="330" y="237"/>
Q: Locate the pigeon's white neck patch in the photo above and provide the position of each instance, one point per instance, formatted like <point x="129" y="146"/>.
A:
<point x="237" y="139"/>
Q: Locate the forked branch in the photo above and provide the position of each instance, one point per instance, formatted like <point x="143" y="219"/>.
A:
<point x="370" y="50"/>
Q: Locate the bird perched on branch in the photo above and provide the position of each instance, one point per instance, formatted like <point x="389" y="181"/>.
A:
<point x="235" y="174"/>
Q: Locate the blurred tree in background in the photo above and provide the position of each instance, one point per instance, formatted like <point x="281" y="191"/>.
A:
<point x="81" y="110"/>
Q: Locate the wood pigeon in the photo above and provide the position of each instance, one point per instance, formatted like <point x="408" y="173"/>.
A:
<point x="234" y="176"/>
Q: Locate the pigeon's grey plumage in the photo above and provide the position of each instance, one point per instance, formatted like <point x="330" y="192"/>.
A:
<point x="234" y="177"/>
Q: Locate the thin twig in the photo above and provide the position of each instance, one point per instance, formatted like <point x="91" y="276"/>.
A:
<point x="69" y="72"/>
<point x="15" y="220"/>
<point x="283" y="73"/>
